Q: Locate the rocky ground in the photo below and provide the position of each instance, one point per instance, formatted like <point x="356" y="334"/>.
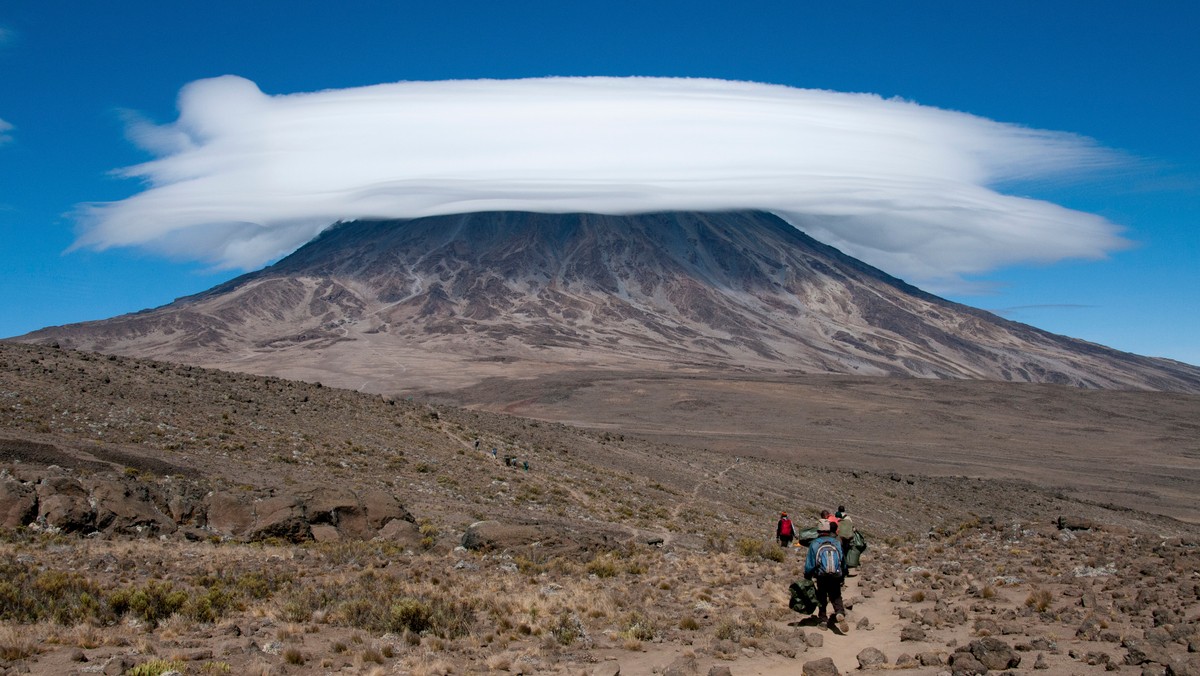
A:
<point x="160" y="517"/>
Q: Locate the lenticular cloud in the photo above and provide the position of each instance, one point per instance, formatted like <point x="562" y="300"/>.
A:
<point x="243" y="177"/>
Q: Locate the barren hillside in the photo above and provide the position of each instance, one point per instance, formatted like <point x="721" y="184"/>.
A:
<point x="610" y="554"/>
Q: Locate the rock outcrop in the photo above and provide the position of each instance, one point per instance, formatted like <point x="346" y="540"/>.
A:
<point x="112" y="504"/>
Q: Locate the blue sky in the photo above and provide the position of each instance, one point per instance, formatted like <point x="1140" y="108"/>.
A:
<point x="1123" y="76"/>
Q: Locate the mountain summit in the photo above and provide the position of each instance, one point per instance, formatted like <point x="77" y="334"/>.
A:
<point x="447" y="300"/>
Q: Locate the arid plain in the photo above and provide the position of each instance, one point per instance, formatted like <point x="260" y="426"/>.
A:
<point x="1139" y="450"/>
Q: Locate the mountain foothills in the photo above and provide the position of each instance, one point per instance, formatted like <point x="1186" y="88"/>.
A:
<point x="445" y="302"/>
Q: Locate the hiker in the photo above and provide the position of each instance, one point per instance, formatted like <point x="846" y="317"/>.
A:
<point x="824" y="565"/>
<point x="784" y="530"/>
<point x="830" y="518"/>
<point x="845" y="533"/>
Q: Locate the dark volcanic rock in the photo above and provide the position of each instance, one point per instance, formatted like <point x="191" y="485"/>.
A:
<point x="726" y="290"/>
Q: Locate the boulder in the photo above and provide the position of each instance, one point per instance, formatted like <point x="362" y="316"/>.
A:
<point x="323" y="532"/>
<point x="821" y="667"/>
<point x="1184" y="665"/>
<point x="229" y="514"/>
<point x="1141" y="652"/>
<point x="964" y="663"/>
<point x="382" y="507"/>
<point x="127" y="507"/>
<point x="929" y="659"/>
<point x="871" y="658"/>
<point x="994" y="654"/>
<point x="18" y="503"/>
<point x="401" y="531"/>
<point x="339" y="508"/>
<point x="280" y="517"/>
<point x="63" y="503"/>
<point x="912" y="632"/>
<point x="1089" y="630"/>
<point x="497" y="536"/>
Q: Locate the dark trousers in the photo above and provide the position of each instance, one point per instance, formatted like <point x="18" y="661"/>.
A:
<point x="785" y="540"/>
<point x="829" y="590"/>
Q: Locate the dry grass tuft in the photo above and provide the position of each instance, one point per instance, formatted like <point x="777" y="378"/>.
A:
<point x="17" y="643"/>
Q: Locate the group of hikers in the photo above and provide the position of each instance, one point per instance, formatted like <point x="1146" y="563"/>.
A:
<point x="833" y="549"/>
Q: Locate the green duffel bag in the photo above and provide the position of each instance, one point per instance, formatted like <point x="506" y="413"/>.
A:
<point x="852" y="555"/>
<point x="804" y="597"/>
<point x="858" y="543"/>
<point x="807" y="535"/>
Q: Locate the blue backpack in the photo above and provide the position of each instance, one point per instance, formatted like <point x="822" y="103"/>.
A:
<point x="829" y="559"/>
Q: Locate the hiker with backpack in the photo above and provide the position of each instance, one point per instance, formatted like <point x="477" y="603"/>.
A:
<point x="845" y="532"/>
<point x="825" y="565"/>
<point x="784" y="531"/>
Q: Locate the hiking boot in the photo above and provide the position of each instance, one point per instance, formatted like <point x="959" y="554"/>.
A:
<point x="841" y="623"/>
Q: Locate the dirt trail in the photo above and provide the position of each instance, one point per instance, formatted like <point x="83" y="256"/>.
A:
<point x="679" y="506"/>
<point x="884" y="634"/>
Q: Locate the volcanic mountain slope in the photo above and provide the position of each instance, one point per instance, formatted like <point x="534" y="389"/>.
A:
<point x="445" y="301"/>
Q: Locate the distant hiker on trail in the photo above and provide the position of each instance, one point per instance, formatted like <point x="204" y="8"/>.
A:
<point x="845" y="532"/>
<point x="784" y="530"/>
<point x="824" y="565"/>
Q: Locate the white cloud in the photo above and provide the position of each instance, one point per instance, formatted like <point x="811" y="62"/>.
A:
<point x="242" y="177"/>
<point x="5" y="127"/>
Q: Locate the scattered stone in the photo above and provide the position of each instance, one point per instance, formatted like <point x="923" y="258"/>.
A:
<point x="607" y="669"/>
<point x="865" y="624"/>
<point x="1184" y="665"/>
<point x="1141" y="652"/>
<point x="821" y="667"/>
<point x="814" y="639"/>
<point x="994" y="654"/>
<point x="1089" y="630"/>
<point x="929" y="659"/>
<point x="912" y="632"/>
<point x="963" y="663"/>
<point x="1042" y="643"/>
<point x="906" y="661"/>
<point x="870" y="658"/>
<point x="719" y="671"/>
<point x="1040" y="662"/>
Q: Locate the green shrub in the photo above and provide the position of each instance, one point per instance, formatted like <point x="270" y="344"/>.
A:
<point x="152" y="603"/>
<point x="28" y="595"/>
<point x="156" y="667"/>
<point x="639" y="627"/>
<point x="567" y="629"/>
<point x="602" y="567"/>
<point x="410" y="614"/>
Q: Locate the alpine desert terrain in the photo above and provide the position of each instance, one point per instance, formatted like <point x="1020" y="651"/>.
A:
<point x="159" y="517"/>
